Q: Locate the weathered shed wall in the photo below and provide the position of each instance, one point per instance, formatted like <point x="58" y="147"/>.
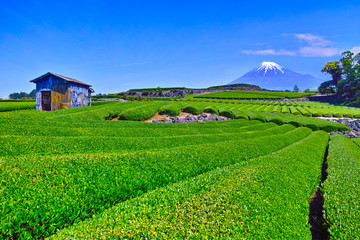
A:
<point x="60" y="92"/>
<point x="63" y="94"/>
<point x="79" y="95"/>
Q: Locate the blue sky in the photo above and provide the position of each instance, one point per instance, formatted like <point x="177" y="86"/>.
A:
<point x="117" y="45"/>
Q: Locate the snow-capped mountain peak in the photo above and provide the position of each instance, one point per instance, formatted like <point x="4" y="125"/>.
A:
<point x="265" y="66"/>
<point x="270" y="75"/>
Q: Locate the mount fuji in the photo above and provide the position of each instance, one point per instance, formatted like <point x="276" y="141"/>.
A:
<point x="270" y="75"/>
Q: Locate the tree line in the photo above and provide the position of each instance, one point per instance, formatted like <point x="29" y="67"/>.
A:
<point x="19" y="95"/>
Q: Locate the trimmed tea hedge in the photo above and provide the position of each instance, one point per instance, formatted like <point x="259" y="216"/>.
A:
<point x="172" y="110"/>
<point x="341" y="188"/>
<point x="12" y="106"/>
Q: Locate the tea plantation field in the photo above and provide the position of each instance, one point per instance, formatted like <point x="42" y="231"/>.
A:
<point x="12" y="106"/>
<point x="239" y="94"/>
<point x="305" y="108"/>
<point x="71" y="174"/>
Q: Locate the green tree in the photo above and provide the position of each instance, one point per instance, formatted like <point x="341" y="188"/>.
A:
<point x="32" y="93"/>
<point x="345" y="78"/>
<point x="349" y="87"/>
<point x="20" y="95"/>
<point x="327" y="87"/>
<point x="334" y="69"/>
<point x="296" y="88"/>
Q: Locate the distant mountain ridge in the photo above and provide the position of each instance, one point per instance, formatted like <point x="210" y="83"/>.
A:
<point x="272" y="76"/>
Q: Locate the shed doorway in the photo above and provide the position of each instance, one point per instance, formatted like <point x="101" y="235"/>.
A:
<point x="46" y="100"/>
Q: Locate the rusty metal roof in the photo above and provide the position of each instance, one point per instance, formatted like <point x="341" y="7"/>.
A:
<point x="60" y="76"/>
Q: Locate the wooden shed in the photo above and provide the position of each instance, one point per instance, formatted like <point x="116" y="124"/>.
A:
<point x="55" y="92"/>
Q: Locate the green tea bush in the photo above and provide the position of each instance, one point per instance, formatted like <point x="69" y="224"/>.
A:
<point x="172" y="110"/>
<point x="277" y="108"/>
<point x="193" y="109"/>
<point x="295" y="123"/>
<point x="254" y="115"/>
<point x="269" y="108"/>
<point x="142" y="112"/>
<point x="226" y="113"/>
<point x="329" y="128"/>
<point x="285" y="109"/>
<point x="278" y="121"/>
<point x="293" y="110"/>
<point x="211" y="109"/>
<point x="312" y="126"/>
<point x="239" y="114"/>
<point x="341" y="188"/>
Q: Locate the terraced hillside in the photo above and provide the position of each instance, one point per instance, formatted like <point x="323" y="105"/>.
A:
<point x="144" y="110"/>
<point x="305" y="108"/>
<point x="72" y="174"/>
<point x="238" y="94"/>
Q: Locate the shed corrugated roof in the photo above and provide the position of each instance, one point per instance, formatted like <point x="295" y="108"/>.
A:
<point x="60" y="76"/>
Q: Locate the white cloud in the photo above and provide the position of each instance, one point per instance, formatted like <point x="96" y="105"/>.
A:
<point x="314" y="51"/>
<point x="313" y="40"/>
<point x="355" y="50"/>
<point x="315" y="46"/>
<point x="270" y="52"/>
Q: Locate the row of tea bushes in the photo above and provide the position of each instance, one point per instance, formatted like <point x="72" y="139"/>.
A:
<point x="12" y="106"/>
<point x="59" y="145"/>
<point x="238" y="94"/>
<point x="341" y="189"/>
<point x="145" y="110"/>
<point x="263" y="198"/>
<point x="280" y="118"/>
<point x="234" y="111"/>
<point x="313" y="109"/>
<point x="40" y="194"/>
